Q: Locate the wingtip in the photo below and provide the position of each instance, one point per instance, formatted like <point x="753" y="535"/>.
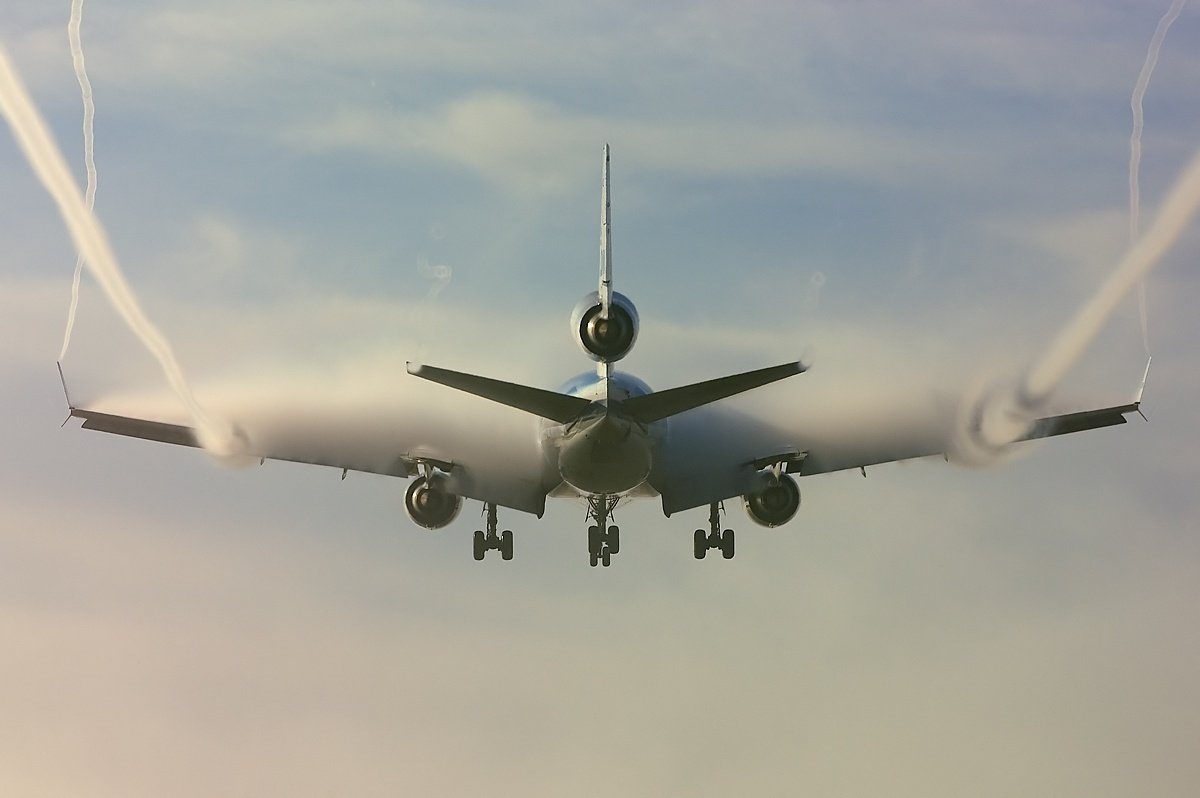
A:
<point x="62" y="379"/>
<point x="414" y="368"/>
<point x="1137" y="399"/>
<point x="1142" y="386"/>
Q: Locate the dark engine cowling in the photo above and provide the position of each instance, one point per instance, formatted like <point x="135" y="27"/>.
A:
<point x="605" y="340"/>
<point x="430" y="505"/>
<point x="775" y="504"/>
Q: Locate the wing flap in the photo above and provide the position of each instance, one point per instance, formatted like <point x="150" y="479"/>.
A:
<point x="1067" y="423"/>
<point x="137" y="427"/>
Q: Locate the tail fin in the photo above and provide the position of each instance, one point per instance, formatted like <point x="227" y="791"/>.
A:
<point x="605" y="242"/>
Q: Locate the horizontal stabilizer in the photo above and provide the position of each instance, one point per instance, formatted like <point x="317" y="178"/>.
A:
<point x="662" y="404"/>
<point x="547" y="404"/>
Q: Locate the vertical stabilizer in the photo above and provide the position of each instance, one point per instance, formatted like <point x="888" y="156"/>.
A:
<point x="605" y="243"/>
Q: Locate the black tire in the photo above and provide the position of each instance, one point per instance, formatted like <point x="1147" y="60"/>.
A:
<point x="605" y="557"/>
<point x="614" y="540"/>
<point x="506" y="544"/>
<point x="700" y="545"/>
<point x="595" y="558"/>
<point x="727" y="544"/>
<point x="594" y="541"/>
<point x="480" y="545"/>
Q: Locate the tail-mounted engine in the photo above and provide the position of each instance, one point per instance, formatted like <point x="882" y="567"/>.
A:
<point x="776" y="503"/>
<point x="429" y="504"/>
<point x="605" y="340"/>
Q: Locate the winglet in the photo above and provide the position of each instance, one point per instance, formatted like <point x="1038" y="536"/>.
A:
<point x="66" y="393"/>
<point x="1137" y="400"/>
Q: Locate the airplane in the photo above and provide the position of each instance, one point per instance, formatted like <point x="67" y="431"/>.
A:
<point x="604" y="437"/>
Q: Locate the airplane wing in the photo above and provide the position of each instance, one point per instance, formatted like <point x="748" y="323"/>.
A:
<point x="490" y="452"/>
<point x="714" y="453"/>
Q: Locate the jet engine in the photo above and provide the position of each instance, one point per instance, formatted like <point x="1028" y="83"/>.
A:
<point x="776" y="503"/>
<point x="605" y="340"/>
<point x="429" y="504"/>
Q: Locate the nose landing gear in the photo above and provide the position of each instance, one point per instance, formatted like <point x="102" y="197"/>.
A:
<point x="714" y="538"/>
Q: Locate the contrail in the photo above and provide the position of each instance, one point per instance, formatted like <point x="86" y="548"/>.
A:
<point x="90" y="239"/>
<point x="89" y="142"/>
<point x="1002" y="417"/>
<point x="1135" y="145"/>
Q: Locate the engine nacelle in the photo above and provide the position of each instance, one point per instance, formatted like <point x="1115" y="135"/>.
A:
<point x="776" y="503"/>
<point x="429" y="504"/>
<point x="605" y="340"/>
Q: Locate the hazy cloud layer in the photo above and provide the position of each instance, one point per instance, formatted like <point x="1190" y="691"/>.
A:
<point x="281" y="180"/>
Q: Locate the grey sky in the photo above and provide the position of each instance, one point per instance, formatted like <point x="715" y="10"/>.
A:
<point x="277" y="180"/>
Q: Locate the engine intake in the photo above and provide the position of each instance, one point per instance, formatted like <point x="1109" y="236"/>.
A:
<point x="602" y="339"/>
<point x="429" y="504"/>
<point x="775" y="504"/>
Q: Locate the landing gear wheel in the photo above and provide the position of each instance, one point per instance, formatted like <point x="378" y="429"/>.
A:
<point x="480" y="545"/>
<point x="595" y="556"/>
<point x="506" y="545"/>
<point x="614" y="540"/>
<point x="727" y="544"/>
<point x="701" y="544"/>
<point x="594" y="541"/>
<point x="605" y="555"/>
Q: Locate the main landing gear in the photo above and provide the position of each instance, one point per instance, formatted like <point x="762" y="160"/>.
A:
<point x="715" y="538"/>
<point x="485" y="542"/>
<point x="603" y="540"/>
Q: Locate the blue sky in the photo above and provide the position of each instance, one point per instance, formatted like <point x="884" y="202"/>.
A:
<point x="891" y="190"/>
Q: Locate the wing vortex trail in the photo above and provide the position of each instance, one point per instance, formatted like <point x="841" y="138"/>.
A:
<point x="47" y="161"/>
<point x="995" y="420"/>
<point x="74" y="25"/>
<point x="1135" y="146"/>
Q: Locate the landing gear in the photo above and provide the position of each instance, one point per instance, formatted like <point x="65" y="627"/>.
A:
<point x="490" y="540"/>
<point x="714" y="538"/>
<point x="603" y="540"/>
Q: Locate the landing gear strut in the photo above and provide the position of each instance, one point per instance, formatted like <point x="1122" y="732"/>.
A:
<point x="603" y="540"/>
<point x="485" y="542"/>
<point x="715" y="538"/>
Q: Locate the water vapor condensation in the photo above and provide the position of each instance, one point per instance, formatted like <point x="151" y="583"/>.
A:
<point x="439" y="277"/>
<point x="1135" y="146"/>
<point x="48" y="164"/>
<point x="74" y="26"/>
<point x="991" y="421"/>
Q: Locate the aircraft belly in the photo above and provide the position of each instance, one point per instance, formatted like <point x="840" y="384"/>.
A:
<point x="607" y="458"/>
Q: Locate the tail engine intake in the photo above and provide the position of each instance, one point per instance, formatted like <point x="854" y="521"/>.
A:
<point x="605" y="340"/>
